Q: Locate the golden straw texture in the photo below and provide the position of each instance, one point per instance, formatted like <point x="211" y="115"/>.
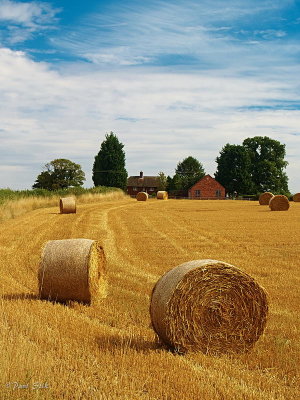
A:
<point x="296" y="197"/>
<point x="67" y="205"/>
<point x="72" y="269"/>
<point x="279" y="203"/>
<point x="208" y="306"/>
<point x="264" y="198"/>
<point x="142" y="196"/>
<point x="162" y="195"/>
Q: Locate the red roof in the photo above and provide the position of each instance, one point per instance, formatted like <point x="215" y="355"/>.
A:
<point x="205" y="178"/>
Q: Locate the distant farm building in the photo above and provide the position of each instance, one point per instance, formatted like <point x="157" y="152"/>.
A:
<point x="207" y="188"/>
<point x="141" y="183"/>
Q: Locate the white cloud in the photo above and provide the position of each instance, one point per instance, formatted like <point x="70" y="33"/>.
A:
<point x="271" y="33"/>
<point x="204" y="33"/>
<point x="117" y="57"/>
<point x="161" y="117"/>
<point x="23" y="19"/>
<point x="28" y="14"/>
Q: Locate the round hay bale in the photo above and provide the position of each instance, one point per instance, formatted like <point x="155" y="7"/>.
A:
<point x="264" y="198"/>
<point x="162" y="195"/>
<point x="279" y="203"/>
<point x="296" y="197"/>
<point x="72" y="269"/>
<point x="208" y="306"/>
<point x="142" y="196"/>
<point x="67" y="205"/>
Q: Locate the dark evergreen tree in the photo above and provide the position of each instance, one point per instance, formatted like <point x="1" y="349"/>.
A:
<point x="169" y="183"/>
<point x="234" y="170"/>
<point x="60" y="174"/>
<point x="267" y="164"/>
<point x="109" y="165"/>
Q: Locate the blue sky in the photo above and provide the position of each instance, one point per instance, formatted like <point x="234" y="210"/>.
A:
<point x="170" y="78"/>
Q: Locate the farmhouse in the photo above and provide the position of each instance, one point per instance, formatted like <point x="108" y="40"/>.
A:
<point x="207" y="188"/>
<point x="141" y="183"/>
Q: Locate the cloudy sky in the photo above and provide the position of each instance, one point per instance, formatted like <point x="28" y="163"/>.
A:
<point x="170" y="78"/>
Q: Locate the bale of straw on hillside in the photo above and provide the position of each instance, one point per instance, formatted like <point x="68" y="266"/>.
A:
<point x="72" y="269"/>
<point x="67" y="205"/>
<point x="208" y="306"/>
<point x="279" y="203"/>
<point x="296" y="197"/>
<point x="264" y="198"/>
<point x="142" y="196"/>
<point x="162" y="195"/>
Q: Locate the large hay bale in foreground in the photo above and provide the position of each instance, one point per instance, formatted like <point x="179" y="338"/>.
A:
<point x="162" y="195"/>
<point x="72" y="269"/>
<point x="142" y="196"/>
<point x="279" y="203"/>
<point x="67" y="205"/>
<point x="296" y="197"/>
<point x="264" y="198"/>
<point x="208" y="306"/>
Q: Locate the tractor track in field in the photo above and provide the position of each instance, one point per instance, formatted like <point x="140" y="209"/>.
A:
<point x="182" y="229"/>
<point x="116" y="258"/>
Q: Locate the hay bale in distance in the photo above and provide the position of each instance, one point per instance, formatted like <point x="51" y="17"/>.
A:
<point x="208" y="306"/>
<point x="72" y="269"/>
<point x="142" y="196"/>
<point x="162" y="195"/>
<point x="67" y="205"/>
<point x="296" y="197"/>
<point x="264" y="198"/>
<point x="279" y="203"/>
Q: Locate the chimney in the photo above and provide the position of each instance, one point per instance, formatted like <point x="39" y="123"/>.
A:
<point x="141" y="175"/>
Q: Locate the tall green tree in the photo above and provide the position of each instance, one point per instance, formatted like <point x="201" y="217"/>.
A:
<point x="267" y="164"/>
<point x="109" y="165"/>
<point x="169" y="185"/>
<point x="162" y="179"/>
<point x="60" y="174"/>
<point x="187" y="173"/>
<point x="234" y="169"/>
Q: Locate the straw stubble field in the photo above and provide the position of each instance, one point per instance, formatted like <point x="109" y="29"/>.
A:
<point x="109" y="350"/>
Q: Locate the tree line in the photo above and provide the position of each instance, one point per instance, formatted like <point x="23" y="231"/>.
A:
<point x="255" y="166"/>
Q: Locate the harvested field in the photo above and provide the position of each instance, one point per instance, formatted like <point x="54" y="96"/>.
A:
<point x="109" y="350"/>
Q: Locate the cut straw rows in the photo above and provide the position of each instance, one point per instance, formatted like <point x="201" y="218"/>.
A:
<point x="201" y="305"/>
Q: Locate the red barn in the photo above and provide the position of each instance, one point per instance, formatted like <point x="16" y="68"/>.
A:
<point x="207" y="188"/>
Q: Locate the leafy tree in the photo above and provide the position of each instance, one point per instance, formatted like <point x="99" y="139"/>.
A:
<point x="60" y="174"/>
<point x="187" y="173"/>
<point x="109" y="165"/>
<point x="267" y="164"/>
<point x="234" y="169"/>
<point x="162" y="181"/>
